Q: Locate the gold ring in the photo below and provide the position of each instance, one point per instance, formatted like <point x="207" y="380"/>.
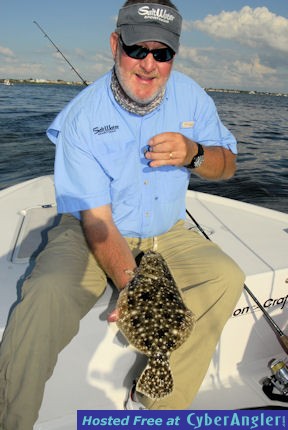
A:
<point x="171" y="155"/>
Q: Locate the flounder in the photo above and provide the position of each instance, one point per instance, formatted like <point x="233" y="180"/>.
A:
<point x="155" y="320"/>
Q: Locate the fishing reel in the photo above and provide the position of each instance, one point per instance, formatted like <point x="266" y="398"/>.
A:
<point x="277" y="381"/>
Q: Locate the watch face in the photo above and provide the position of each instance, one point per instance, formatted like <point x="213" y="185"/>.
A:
<point x="198" y="161"/>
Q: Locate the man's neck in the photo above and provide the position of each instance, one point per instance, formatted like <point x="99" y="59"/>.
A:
<point x="130" y="105"/>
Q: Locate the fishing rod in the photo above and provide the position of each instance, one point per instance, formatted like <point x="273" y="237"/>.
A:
<point x="61" y="53"/>
<point x="281" y="337"/>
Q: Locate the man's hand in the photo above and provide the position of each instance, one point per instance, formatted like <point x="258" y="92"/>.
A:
<point x="172" y="149"/>
<point x="113" y="316"/>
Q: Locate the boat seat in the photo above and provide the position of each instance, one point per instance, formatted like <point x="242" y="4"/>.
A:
<point x="32" y="231"/>
<point x="33" y="227"/>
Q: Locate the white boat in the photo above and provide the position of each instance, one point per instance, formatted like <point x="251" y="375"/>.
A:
<point x="7" y="82"/>
<point x="96" y="368"/>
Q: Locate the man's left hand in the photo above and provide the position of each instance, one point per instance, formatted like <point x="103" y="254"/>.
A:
<point x="170" y="149"/>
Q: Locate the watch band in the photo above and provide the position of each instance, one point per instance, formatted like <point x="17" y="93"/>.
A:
<point x="198" y="159"/>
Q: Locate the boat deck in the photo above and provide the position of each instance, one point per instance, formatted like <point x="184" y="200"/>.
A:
<point x="96" y="368"/>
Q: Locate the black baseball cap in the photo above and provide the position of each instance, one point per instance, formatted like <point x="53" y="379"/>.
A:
<point x="144" y="22"/>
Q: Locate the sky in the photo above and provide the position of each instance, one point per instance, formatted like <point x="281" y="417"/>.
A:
<point x="234" y="44"/>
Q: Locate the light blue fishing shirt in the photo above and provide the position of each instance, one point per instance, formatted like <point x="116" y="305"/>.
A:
<point x="100" y="151"/>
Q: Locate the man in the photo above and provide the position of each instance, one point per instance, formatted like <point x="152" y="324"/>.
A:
<point x="125" y="149"/>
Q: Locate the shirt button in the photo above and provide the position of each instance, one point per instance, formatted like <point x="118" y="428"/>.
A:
<point x="146" y="182"/>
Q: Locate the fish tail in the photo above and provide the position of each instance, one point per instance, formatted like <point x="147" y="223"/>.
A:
<point x="156" y="380"/>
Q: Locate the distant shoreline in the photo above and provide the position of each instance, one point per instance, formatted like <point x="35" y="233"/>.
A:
<point x="40" y="82"/>
<point x="76" y="83"/>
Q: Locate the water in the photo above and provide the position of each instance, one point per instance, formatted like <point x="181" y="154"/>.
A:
<point x="259" y="122"/>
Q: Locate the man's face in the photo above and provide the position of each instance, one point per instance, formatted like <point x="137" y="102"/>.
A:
<point x="142" y="80"/>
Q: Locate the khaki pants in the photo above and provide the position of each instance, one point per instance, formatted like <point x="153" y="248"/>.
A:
<point x="65" y="284"/>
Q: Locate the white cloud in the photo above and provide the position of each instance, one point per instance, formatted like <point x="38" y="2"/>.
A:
<point x="241" y="73"/>
<point x="7" y="52"/>
<point x="21" y="70"/>
<point x="254" y="69"/>
<point x="193" y="54"/>
<point x="253" y="27"/>
<point x="187" y="25"/>
<point x="93" y="66"/>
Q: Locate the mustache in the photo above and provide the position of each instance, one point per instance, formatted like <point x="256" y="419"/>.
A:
<point x="146" y="75"/>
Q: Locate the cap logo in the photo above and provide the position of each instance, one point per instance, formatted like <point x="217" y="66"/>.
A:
<point x="156" y="14"/>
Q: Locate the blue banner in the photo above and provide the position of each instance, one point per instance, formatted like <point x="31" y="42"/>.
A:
<point x="183" y="420"/>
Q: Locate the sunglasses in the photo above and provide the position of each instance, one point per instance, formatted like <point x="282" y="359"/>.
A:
<point x="139" y="52"/>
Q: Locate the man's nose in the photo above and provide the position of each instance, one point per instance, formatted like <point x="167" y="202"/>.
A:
<point x="148" y="63"/>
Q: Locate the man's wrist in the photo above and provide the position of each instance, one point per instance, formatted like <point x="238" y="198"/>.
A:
<point x="128" y="276"/>
<point x="197" y="159"/>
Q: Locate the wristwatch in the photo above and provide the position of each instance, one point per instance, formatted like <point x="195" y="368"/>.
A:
<point x="198" y="159"/>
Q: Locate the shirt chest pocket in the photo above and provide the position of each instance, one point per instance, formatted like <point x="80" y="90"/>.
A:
<point x="187" y="128"/>
<point x="113" y="152"/>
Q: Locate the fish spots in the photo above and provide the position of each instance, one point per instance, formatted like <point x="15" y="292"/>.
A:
<point x="155" y="320"/>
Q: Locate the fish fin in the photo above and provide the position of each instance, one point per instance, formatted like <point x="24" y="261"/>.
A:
<point x="156" y="380"/>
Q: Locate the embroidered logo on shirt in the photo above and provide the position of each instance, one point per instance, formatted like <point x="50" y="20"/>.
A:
<point x="105" y="129"/>
<point x="187" y="124"/>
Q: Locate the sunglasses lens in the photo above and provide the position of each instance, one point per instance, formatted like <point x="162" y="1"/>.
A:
<point x="163" y="54"/>
<point x="139" y="52"/>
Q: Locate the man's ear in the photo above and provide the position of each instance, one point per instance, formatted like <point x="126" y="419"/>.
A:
<point x="114" y="43"/>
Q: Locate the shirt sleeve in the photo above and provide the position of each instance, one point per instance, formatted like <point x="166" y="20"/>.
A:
<point x="80" y="182"/>
<point x="209" y="130"/>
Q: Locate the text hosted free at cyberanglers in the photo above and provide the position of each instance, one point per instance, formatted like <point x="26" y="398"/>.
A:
<point x="212" y="420"/>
